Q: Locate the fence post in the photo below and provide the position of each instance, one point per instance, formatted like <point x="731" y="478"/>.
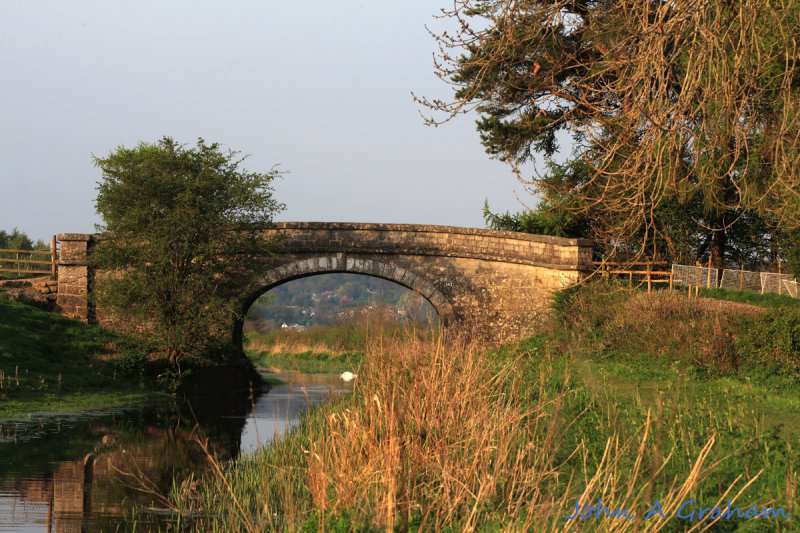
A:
<point x="670" y="278"/>
<point x="779" y="277"/>
<point x="649" y="282"/>
<point x="54" y="257"/>
<point x="741" y="277"/>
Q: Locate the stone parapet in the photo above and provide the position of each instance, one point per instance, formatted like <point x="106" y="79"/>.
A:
<point x="441" y="241"/>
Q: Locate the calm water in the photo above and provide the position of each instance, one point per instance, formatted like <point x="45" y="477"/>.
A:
<point x="72" y="473"/>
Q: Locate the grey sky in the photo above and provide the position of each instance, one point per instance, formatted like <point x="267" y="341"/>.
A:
<point x="320" y="88"/>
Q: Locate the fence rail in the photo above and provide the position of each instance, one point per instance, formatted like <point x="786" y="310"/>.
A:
<point x="30" y="259"/>
<point x="643" y="269"/>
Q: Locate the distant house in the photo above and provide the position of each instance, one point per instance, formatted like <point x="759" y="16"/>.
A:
<point x="295" y="327"/>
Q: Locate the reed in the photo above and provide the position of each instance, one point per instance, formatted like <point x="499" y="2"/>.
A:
<point x="352" y="334"/>
<point x="329" y="349"/>
<point x="439" y="435"/>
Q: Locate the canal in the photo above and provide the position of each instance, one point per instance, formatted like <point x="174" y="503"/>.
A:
<point x="96" y="470"/>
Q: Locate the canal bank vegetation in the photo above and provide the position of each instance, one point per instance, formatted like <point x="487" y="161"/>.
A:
<point x="51" y="363"/>
<point x="639" y="402"/>
<point x="330" y="349"/>
<point x="730" y="352"/>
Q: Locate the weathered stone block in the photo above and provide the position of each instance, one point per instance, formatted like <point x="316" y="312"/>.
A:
<point x="71" y="300"/>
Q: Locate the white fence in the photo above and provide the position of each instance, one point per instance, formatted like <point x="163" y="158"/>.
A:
<point x="695" y="276"/>
<point x="741" y="280"/>
<point x="737" y="280"/>
<point x="792" y="288"/>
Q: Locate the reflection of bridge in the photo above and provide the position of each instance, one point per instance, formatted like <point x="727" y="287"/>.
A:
<point x="66" y="499"/>
<point x="58" y="500"/>
<point x="490" y="282"/>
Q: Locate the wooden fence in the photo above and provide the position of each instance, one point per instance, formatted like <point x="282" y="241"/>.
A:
<point x="33" y="261"/>
<point x="642" y="271"/>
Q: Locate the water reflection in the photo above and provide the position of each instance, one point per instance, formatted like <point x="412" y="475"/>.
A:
<point x="69" y="473"/>
<point x="276" y="412"/>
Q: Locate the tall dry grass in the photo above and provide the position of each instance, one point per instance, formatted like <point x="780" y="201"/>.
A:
<point x="441" y="436"/>
<point x="353" y="334"/>
<point x="288" y="343"/>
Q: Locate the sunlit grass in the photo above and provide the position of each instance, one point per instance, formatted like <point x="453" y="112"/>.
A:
<point x="629" y="399"/>
<point x="767" y="300"/>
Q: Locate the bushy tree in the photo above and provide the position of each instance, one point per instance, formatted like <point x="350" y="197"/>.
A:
<point x="681" y="102"/>
<point x="180" y="224"/>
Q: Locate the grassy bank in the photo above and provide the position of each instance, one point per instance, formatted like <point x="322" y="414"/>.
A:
<point x="325" y="349"/>
<point x="641" y="402"/>
<point x="50" y="363"/>
<point x="301" y="351"/>
<point x="766" y="300"/>
<point x="743" y="350"/>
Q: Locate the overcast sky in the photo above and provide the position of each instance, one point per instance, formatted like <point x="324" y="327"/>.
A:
<point x="321" y="89"/>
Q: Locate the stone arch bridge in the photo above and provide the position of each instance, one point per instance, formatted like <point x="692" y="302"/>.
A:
<point x="491" y="283"/>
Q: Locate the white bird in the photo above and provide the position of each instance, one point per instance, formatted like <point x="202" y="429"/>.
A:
<point x="347" y="376"/>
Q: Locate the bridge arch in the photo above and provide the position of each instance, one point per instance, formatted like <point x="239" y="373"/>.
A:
<point x="341" y="263"/>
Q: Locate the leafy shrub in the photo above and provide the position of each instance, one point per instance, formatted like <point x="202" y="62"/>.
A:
<point x="772" y="336"/>
<point x="769" y="346"/>
<point x="132" y="363"/>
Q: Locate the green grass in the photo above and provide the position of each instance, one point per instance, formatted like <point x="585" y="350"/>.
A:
<point x="767" y="300"/>
<point x="4" y="276"/>
<point x="350" y="336"/>
<point x="307" y="362"/>
<point x="664" y="342"/>
<point x="582" y="414"/>
<point x="650" y="384"/>
<point x="51" y="363"/>
<point x="23" y="405"/>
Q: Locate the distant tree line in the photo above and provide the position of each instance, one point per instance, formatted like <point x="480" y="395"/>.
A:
<point x="17" y="240"/>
